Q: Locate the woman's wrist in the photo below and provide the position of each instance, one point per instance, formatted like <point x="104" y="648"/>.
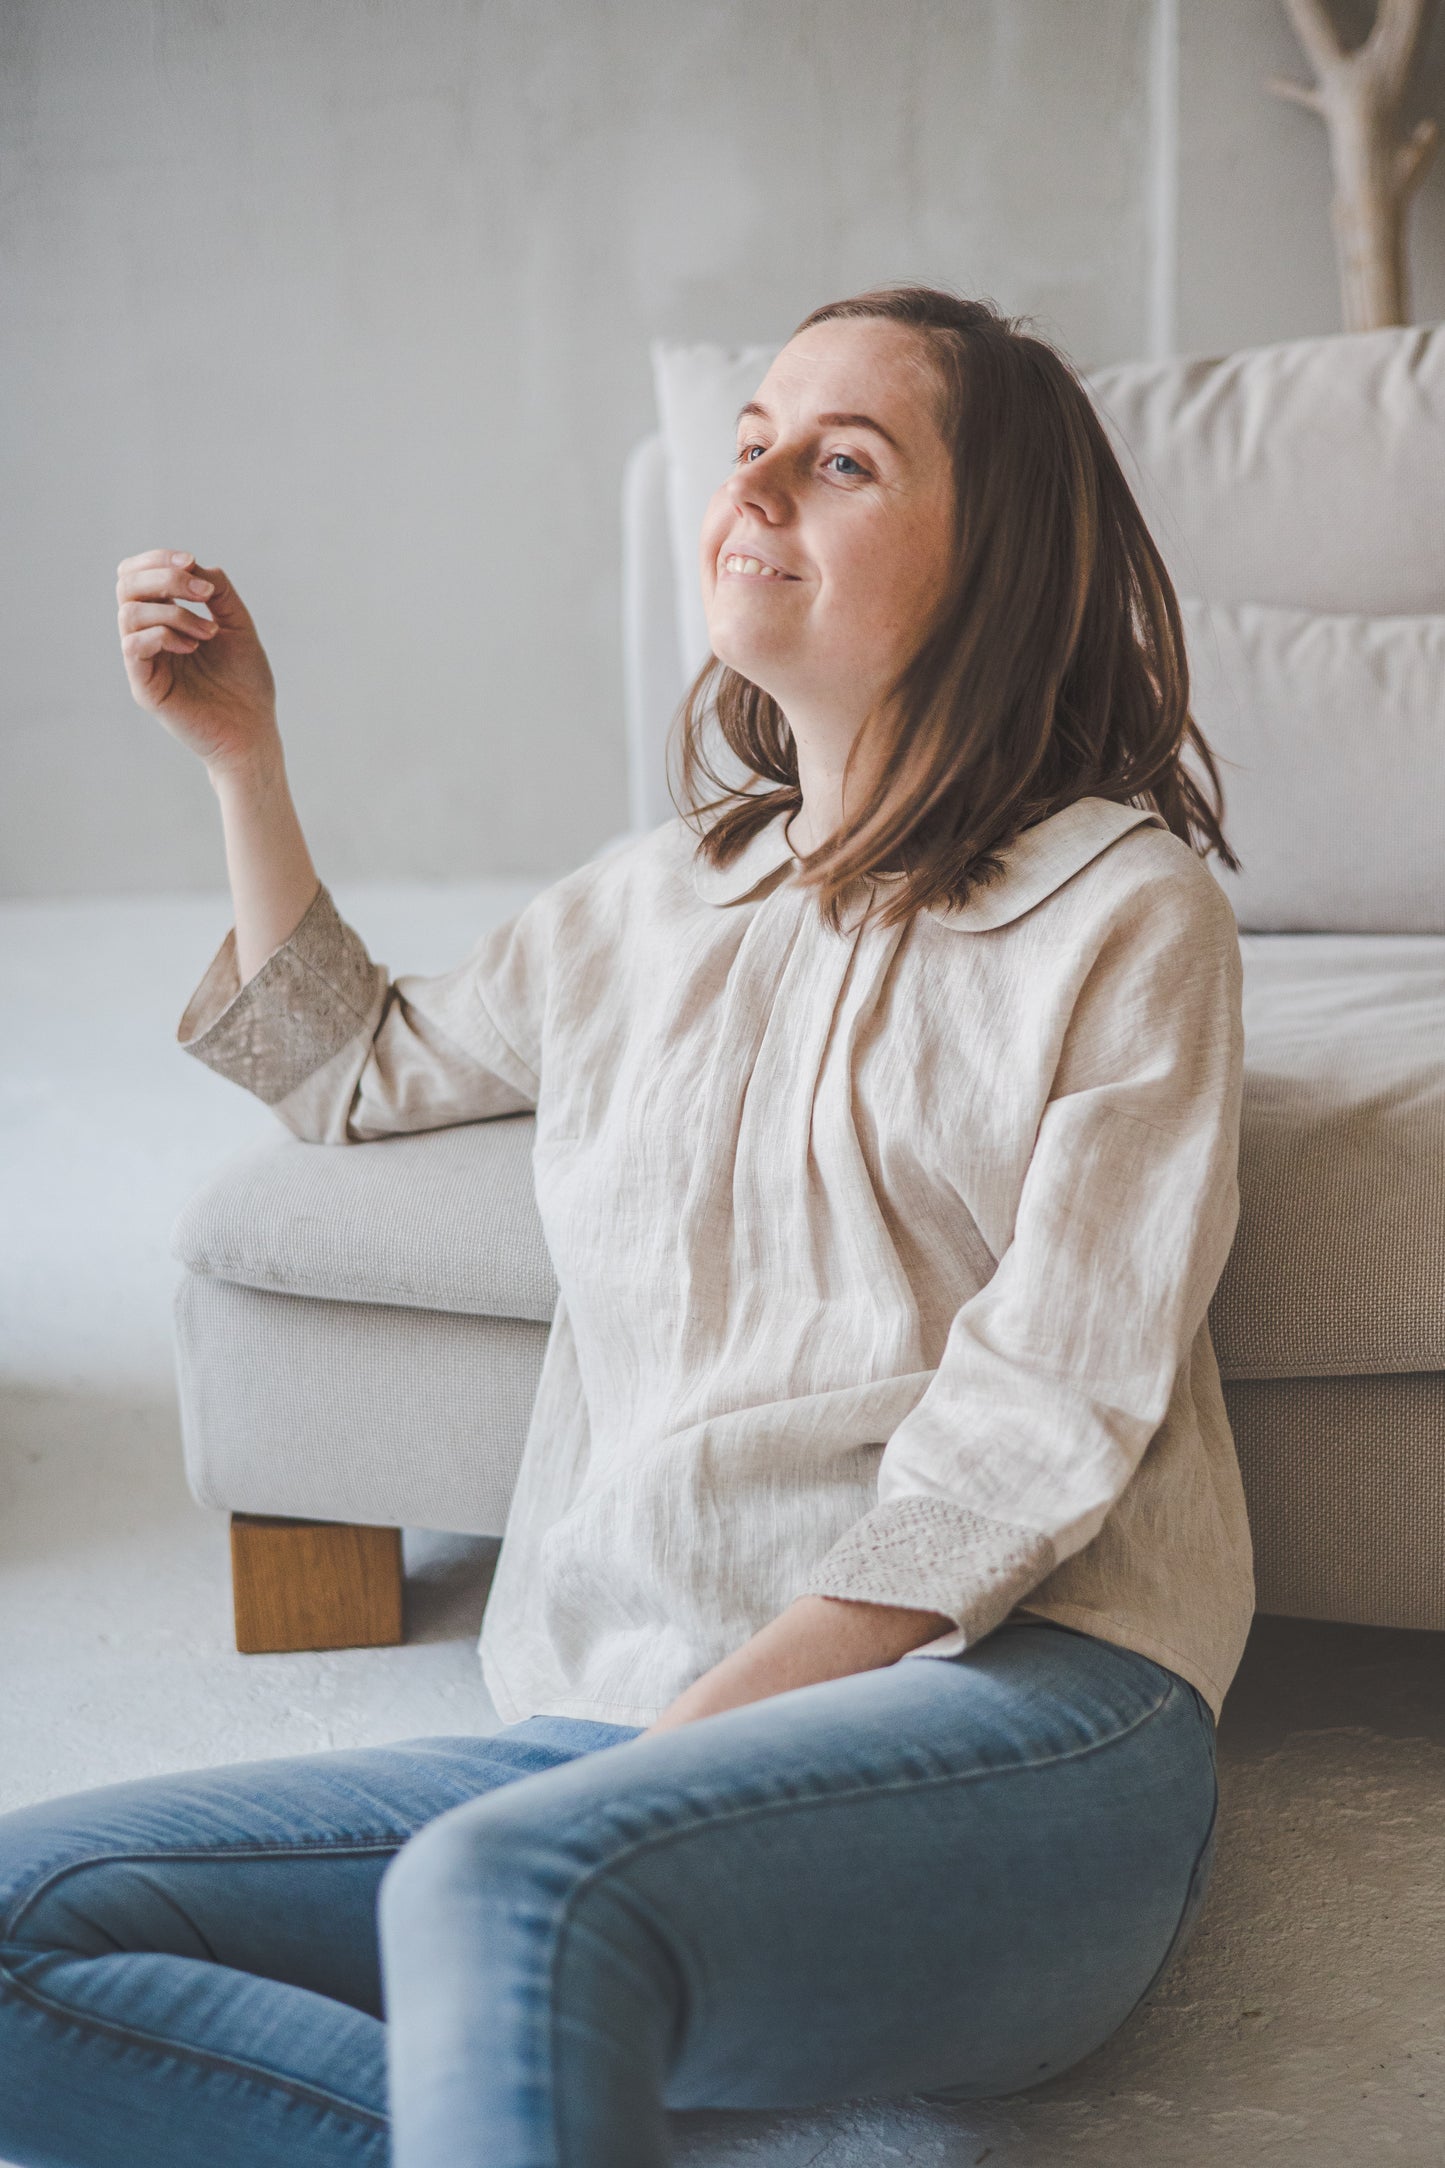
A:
<point x="816" y="1638"/>
<point x="273" y="880"/>
<point x="257" y="773"/>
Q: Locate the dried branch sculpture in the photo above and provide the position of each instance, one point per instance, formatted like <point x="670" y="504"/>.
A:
<point x="1358" y="94"/>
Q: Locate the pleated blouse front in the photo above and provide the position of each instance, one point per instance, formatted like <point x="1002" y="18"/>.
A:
<point x="885" y="1254"/>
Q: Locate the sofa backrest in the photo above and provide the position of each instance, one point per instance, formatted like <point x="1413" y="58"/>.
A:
<point x="1284" y="484"/>
<point x="1309" y="474"/>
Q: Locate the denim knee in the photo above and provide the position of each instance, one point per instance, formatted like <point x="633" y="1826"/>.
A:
<point x="501" y="1873"/>
<point x="440" y="1863"/>
<point x="41" y="1874"/>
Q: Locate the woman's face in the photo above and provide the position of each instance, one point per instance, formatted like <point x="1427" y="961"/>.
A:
<point x="828" y="549"/>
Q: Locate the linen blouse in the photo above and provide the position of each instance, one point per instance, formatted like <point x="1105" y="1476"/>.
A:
<point x="884" y="1254"/>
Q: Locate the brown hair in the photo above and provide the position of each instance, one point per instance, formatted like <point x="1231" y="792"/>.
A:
<point x="1054" y="670"/>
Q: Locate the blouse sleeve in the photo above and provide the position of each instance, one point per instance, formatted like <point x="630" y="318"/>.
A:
<point x="343" y="1053"/>
<point x="1059" y="1372"/>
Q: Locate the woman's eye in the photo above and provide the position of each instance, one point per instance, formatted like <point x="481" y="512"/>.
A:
<point x="843" y="464"/>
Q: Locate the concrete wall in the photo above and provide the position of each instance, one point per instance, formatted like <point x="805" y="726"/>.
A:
<point x="354" y="298"/>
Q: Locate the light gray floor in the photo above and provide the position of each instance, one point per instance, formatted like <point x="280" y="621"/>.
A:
<point x="1304" y="2023"/>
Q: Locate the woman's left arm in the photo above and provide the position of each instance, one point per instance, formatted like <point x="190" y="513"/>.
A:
<point x="1059" y="1372"/>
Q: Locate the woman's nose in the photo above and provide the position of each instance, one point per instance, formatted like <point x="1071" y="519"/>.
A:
<point x="759" y="485"/>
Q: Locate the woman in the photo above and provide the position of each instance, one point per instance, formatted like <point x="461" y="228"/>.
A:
<point x="886" y="1143"/>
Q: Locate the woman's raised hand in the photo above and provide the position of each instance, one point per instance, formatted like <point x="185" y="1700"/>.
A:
<point x="207" y="678"/>
<point x="211" y="685"/>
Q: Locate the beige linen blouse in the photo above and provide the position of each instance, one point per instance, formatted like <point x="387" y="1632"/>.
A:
<point x="885" y="1254"/>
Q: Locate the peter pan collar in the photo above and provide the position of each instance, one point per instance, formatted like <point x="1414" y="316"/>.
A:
<point x="761" y="855"/>
<point x="1035" y="864"/>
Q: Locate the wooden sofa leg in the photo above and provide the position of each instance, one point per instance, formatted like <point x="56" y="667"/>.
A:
<point x="314" y="1584"/>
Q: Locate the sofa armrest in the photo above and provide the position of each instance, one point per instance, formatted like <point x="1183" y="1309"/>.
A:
<point x="445" y="1221"/>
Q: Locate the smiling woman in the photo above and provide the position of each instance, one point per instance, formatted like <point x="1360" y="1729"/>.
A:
<point x="877" y="1562"/>
<point x="979" y="628"/>
<point x="849" y="519"/>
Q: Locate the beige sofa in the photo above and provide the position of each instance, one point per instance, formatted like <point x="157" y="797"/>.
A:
<point x="360" y="1331"/>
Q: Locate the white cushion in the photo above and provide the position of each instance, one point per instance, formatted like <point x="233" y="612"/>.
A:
<point x="1311" y="473"/>
<point x="442" y="1220"/>
<point x="652" y="674"/>
<point x="1335" y="799"/>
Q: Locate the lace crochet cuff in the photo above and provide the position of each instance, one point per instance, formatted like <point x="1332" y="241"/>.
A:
<point x="310" y="997"/>
<point x="930" y="1554"/>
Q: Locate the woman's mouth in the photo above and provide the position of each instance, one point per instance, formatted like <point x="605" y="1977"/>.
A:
<point x="753" y="568"/>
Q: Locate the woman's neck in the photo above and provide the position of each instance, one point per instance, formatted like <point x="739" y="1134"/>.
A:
<point x="822" y="746"/>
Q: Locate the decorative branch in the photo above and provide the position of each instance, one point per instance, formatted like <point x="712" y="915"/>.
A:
<point x="1358" y="94"/>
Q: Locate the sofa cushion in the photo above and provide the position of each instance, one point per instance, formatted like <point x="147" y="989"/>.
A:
<point x="445" y="1220"/>
<point x="1332" y="731"/>
<point x="1308" y="473"/>
<point x="1338" y="1267"/>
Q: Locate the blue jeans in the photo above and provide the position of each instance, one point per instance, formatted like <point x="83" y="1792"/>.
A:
<point x="953" y="1876"/>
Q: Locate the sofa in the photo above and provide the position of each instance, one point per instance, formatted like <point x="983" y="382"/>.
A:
<point x="360" y="1331"/>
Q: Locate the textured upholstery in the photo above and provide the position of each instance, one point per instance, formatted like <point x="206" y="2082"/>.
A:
<point x="349" y="1412"/>
<point x="441" y="1221"/>
<point x="1345" y="1480"/>
<point x="1338" y="1266"/>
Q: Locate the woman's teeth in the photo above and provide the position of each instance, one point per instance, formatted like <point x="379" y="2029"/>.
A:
<point x="753" y="568"/>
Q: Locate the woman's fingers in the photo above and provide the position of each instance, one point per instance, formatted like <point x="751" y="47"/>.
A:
<point x="152" y="640"/>
<point x="133" y="615"/>
<point x="156" y="574"/>
<point x="223" y="706"/>
<point x="138" y="574"/>
<point x="154" y="557"/>
<point x="134" y="580"/>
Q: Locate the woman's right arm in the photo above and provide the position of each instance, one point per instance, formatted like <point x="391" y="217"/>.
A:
<point x="293" y="1008"/>
<point x="209" y="682"/>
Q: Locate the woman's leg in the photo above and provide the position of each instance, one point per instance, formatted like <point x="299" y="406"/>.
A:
<point x="947" y="1875"/>
<point x="189" y="1974"/>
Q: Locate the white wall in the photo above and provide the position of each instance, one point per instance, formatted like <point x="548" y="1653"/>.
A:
<point x="354" y="298"/>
